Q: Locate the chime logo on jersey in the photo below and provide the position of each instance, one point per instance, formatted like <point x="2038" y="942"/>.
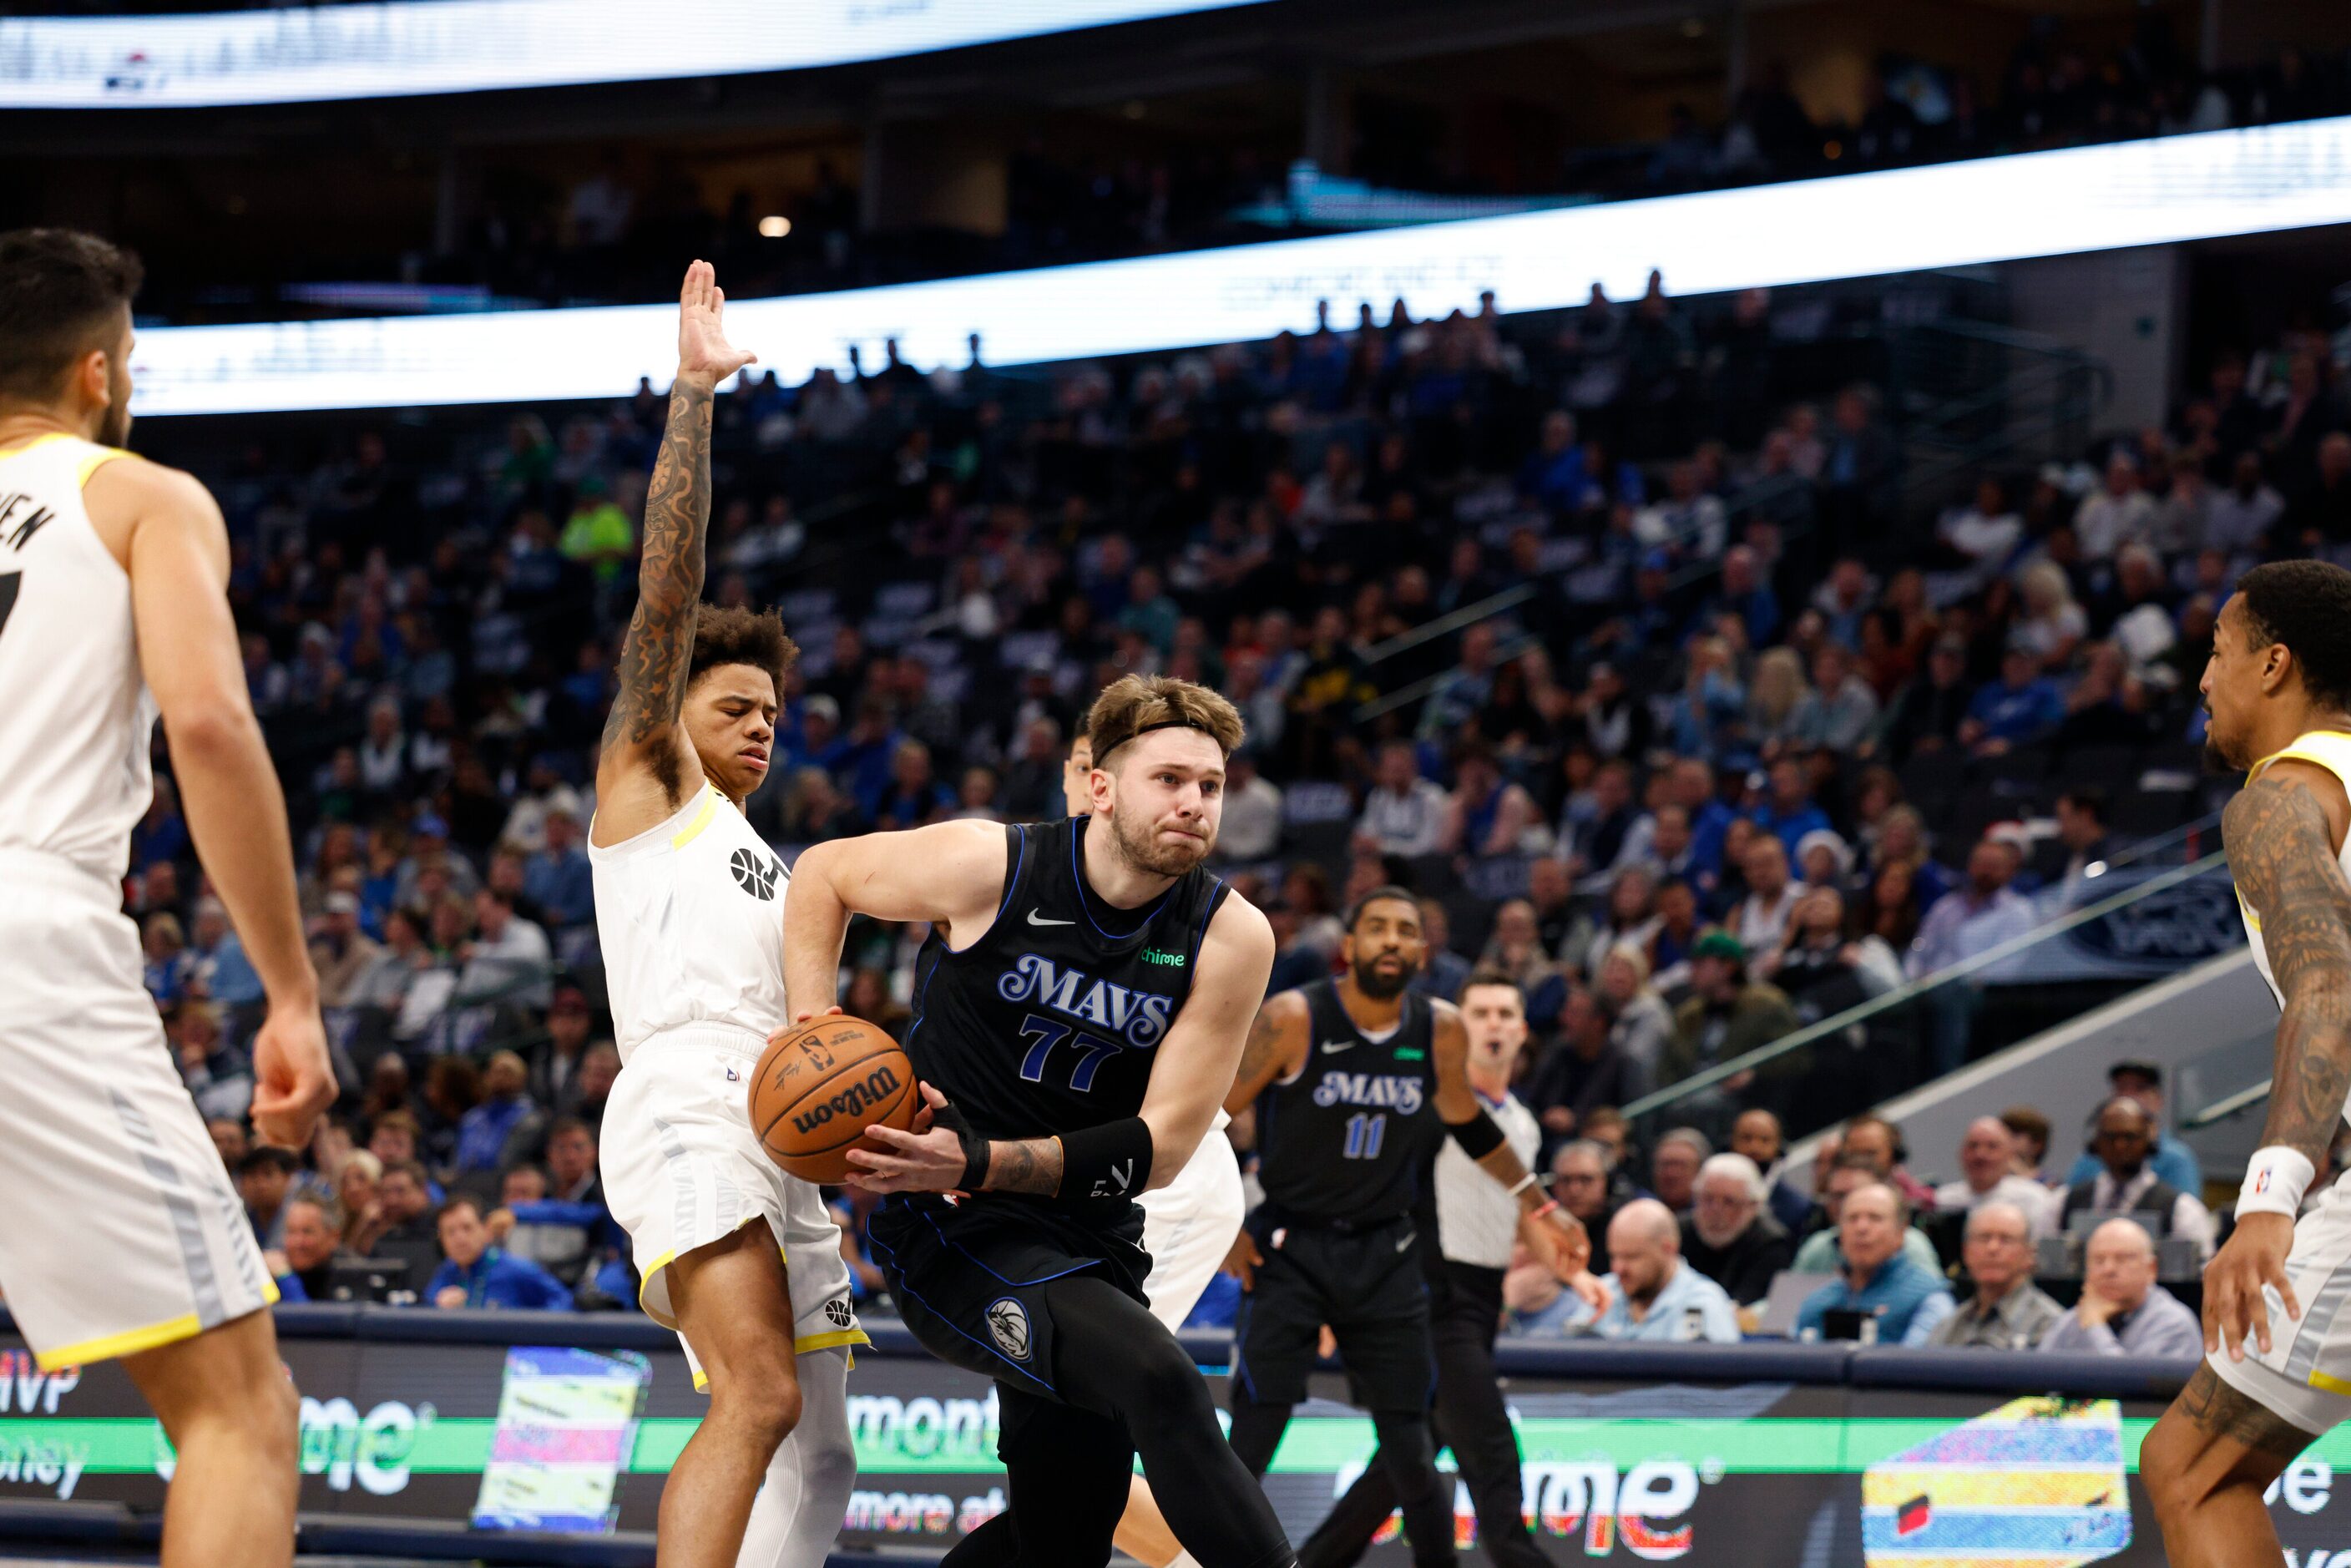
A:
<point x="1141" y="1015"/>
<point x="1388" y="1091"/>
<point x="1007" y="1324"/>
<point x="754" y="872"/>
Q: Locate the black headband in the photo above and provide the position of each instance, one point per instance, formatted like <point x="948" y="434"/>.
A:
<point x="1142" y="730"/>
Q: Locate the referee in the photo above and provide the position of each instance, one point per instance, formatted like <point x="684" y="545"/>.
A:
<point x="1476" y="1222"/>
<point x="1355" y="1082"/>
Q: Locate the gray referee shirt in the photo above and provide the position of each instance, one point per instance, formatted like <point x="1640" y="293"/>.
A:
<point x="1476" y="1217"/>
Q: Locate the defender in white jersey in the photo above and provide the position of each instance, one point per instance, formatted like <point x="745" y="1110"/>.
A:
<point x="123" y="1237"/>
<point x="2277" y="1371"/>
<point x="743" y="1260"/>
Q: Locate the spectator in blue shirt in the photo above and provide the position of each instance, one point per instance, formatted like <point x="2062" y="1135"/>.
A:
<point x="1652" y="1293"/>
<point x="478" y="1274"/>
<point x="2020" y="707"/>
<point x="1877" y="1278"/>
<point x="1791" y="814"/>
<point x="2173" y="1162"/>
<point x="559" y="879"/>
<point x="484" y="1131"/>
<point x="228" y="975"/>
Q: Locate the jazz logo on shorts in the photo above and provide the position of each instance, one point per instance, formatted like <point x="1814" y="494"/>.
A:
<point x="1007" y="1324"/>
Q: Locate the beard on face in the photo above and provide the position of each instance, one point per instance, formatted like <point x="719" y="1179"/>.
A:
<point x="1380" y="983"/>
<point x="1141" y="847"/>
<point x="114" y="425"/>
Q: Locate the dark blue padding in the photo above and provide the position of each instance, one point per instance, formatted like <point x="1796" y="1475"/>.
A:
<point x="85" y="1523"/>
<point x="2017" y="1373"/>
<point x="1773" y="1360"/>
<point x="590" y="1331"/>
<point x="439" y="1542"/>
<point x="318" y="1320"/>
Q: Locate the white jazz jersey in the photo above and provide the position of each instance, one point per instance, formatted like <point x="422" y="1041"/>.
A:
<point x="690" y="916"/>
<point x="2306" y="1375"/>
<point x="1476" y="1217"/>
<point x="74" y="729"/>
<point x="123" y="1232"/>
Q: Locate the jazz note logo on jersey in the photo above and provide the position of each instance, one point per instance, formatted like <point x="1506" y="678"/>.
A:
<point x="754" y="872"/>
<point x="1007" y="1324"/>
<point x="838" y="1313"/>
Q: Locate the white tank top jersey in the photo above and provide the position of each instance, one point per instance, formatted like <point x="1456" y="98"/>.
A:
<point x="74" y="727"/>
<point x="2330" y="750"/>
<point x="1476" y="1217"/>
<point x="690" y="917"/>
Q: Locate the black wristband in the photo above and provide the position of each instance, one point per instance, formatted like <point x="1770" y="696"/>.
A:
<point x="1479" y="1136"/>
<point x="1111" y="1160"/>
<point x="975" y="1147"/>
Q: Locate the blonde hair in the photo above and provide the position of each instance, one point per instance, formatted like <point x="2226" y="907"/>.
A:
<point x="1136" y="705"/>
<point x="1778" y="685"/>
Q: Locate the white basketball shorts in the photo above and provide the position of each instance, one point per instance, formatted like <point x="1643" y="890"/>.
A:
<point x="122" y="1231"/>
<point x="681" y="1169"/>
<point x="1188" y="1226"/>
<point x="2306" y="1375"/>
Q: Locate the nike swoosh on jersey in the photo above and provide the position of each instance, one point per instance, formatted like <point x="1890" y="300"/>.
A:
<point x="1332" y="1047"/>
<point x="1037" y="919"/>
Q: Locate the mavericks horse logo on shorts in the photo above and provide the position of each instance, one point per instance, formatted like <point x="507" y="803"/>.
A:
<point x="837" y="1313"/>
<point x="1007" y="1321"/>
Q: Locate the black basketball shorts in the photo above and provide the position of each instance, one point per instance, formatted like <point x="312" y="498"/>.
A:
<point x="1366" y="1284"/>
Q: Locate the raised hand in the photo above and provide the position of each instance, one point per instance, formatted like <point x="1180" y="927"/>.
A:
<point x="703" y="351"/>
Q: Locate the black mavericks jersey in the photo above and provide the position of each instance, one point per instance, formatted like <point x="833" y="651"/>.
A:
<point x="1050" y="1022"/>
<point x="1347" y="1139"/>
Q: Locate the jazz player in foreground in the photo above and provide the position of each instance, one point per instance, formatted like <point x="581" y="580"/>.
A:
<point x="1080" y="1006"/>
<point x="122" y="1236"/>
<point x="1187" y="1226"/>
<point x="2277" y="1371"/>
<point x="743" y="1260"/>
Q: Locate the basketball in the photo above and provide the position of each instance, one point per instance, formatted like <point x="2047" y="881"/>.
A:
<point x="820" y="1085"/>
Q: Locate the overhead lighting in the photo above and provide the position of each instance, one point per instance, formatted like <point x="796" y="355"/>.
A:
<point x="2156" y="191"/>
<point x="775" y="225"/>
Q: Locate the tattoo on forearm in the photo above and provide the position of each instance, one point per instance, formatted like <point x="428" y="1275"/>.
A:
<point x="2216" y="1408"/>
<point x="2283" y="856"/>
<point x="1262" y="1052"/>
<point x="659" y="646"/>
<point x="1032" y="1165"/>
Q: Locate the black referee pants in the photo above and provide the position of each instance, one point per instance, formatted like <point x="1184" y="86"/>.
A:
<point x="1469" y="1417"/>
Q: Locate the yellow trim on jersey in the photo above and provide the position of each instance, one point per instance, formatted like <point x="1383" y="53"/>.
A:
<point x="2329" y="748"/>
<point x="804" y="1346"/>
<point x="693" y="831"/>
<point x="94" y="462"/>
<point x="51" y="439"/>
<point x="2332" y="1385"/>
<point x="131" y="1342"/>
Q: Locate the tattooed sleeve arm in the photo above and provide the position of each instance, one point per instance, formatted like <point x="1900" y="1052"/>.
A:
<point x="2282" y="851"/>
<point x="1276" y="1048"/>
<point x="658" y="649"/>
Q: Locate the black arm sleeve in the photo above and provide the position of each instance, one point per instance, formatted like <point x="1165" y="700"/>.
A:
<point x="1479" y="1136"/>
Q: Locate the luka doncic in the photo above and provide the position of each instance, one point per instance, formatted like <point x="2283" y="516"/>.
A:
<point x="1081" y="1006"/>
<point x="1353" y="1082"/>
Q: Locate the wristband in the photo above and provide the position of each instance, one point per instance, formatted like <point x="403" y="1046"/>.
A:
<point x="975" y="1147"/>
<point x="1109" y="1162"/>
<point x="1479" y="1136"/>
<point x="2275" y="1182"/>
<point x="1525" y="1182"/>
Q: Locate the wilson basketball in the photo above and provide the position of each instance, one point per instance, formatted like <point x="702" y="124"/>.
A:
<point x="821" y="1086"/>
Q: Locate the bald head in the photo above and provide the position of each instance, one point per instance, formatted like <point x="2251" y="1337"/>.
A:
<point x="1644" y="1249"/>
<point x="2119" y="1263"/>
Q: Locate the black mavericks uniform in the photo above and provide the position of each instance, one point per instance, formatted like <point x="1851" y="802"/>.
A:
<point x="1047" y="1024"/>
<point x="1341" y="1148"/>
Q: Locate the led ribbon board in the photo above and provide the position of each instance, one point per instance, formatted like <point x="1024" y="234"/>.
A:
<point x="398" y="48"/>
<point x="1859" y="225"/>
